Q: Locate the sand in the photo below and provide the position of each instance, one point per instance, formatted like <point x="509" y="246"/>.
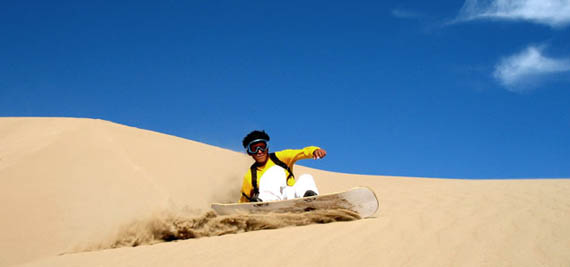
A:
<point x="71" y="185"/>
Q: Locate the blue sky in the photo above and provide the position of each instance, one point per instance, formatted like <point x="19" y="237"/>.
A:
<point x="475" y="89"/>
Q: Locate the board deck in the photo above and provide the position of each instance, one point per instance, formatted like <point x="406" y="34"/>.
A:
<point x="361" y="200"/>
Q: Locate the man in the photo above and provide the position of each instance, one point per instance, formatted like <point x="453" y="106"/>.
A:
<point x="271" y="176"/>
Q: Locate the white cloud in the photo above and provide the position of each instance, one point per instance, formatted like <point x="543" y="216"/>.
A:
<point x="524" y="69"/>
<point x="555" y="13"/>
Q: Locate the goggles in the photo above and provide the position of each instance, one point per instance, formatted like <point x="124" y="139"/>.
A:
<point x="258" y="144"/>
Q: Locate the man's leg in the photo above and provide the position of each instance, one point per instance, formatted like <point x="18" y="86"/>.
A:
<point x="288" y="192"/>
<point x="304" y="183"/>
<point x="272" y="183"/>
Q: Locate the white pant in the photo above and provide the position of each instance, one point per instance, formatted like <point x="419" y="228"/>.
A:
<point x="273" y="185"/>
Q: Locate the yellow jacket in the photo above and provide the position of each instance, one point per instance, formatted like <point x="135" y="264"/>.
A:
<point x="288" y="156"/>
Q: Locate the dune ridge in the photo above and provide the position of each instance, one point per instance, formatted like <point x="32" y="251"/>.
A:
<point x="69" y="183"/>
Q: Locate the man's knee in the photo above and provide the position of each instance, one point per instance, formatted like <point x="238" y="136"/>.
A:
<point x="272" y="178"/>
<point x="305" y="183"/>
<point x="271" y="184"/>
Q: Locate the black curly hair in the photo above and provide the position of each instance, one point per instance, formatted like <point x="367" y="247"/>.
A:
<point x="254" y="135"/>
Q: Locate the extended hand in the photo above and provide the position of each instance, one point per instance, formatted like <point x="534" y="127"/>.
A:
<point x="319" y="154"/>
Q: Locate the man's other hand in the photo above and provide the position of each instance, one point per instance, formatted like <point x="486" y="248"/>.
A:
<point x="319" y="154"/>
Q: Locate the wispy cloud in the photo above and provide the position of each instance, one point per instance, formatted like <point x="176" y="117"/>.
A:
<point x="555" y="13"/>
<point x="521" y="71"/>
<point x="405" y="14"/>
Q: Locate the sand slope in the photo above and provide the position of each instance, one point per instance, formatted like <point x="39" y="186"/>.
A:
<point x="65" y="183"/>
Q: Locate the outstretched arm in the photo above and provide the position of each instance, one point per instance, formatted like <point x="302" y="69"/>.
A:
<point x="290" y="156"/>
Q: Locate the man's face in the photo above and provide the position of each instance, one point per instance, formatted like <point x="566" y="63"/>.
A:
<point x="261" y="152"/>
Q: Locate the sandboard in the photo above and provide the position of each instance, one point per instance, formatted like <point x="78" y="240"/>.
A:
<point x="361" y="200"/>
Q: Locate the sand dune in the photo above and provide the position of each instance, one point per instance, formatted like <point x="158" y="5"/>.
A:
<point x="67" y="185"/>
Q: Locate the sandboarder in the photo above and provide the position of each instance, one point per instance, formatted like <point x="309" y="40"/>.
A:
<point x="271" y="176"/>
